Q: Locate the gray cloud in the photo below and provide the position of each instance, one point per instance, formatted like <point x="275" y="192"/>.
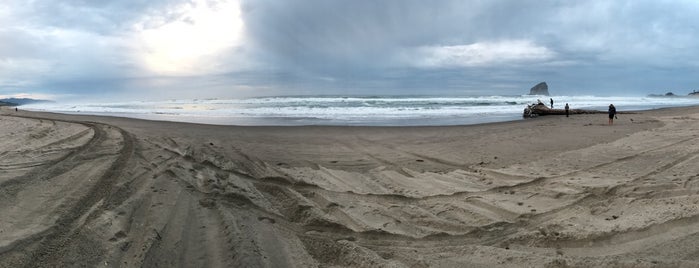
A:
<point x="102" y="17"/>
<point x="357" y="47"/>
<point x="596" y="44"/>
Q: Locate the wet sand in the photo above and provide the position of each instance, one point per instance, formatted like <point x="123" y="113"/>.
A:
<point x="546" y="192"/>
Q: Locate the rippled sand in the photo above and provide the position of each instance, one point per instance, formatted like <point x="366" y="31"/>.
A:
<point x="102" y="191"/>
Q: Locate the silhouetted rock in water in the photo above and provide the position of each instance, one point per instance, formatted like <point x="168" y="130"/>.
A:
<point x="694" y="93"/>
<point x="535" y="110"/>
<point x="669" y="94"/>
<point x="540" y="89"/>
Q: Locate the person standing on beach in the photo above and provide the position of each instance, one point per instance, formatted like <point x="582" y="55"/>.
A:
<point x="612" y="114"/>
<point x="551" y="103"/>
<point x="567" y="109"/>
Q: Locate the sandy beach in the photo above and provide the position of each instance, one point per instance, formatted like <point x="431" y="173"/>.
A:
<point x="546" y="192"/>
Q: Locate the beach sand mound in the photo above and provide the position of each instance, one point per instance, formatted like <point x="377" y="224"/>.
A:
<point x="98" y="191"/>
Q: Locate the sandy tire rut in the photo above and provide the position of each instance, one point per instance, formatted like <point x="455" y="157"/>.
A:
<point x="46" y="248"/>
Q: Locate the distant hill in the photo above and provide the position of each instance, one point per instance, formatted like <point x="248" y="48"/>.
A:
<point x="20" y="101"/>
<point x="670" y="94"/>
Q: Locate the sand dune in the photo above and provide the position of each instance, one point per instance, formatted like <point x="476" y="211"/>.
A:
<point x="549" y="192"/>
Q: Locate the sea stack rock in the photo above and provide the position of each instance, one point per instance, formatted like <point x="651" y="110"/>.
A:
<point x="540" y="89"/>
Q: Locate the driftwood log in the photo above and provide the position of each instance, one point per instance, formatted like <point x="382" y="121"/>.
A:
<point x="541" y="109"/>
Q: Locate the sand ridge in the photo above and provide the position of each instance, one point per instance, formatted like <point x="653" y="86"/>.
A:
<point x="551" y="192"/>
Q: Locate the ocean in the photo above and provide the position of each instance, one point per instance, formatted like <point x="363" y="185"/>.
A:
<point x="352" y="111"/>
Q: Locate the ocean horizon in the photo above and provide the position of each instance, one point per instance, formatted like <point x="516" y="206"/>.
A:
<point x="352" y="110"/>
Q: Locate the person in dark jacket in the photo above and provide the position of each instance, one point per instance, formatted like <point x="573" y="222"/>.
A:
<point x="567" y="109"/>
<point x="551" y="103"/>
<point x="612" y="114"/>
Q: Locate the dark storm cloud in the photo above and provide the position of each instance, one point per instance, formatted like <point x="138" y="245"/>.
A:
<point x="586" y="45"/>
<point x="337" y="34"/>
<point x="367" y="33"/>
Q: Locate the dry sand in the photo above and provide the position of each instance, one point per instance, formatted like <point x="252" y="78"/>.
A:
<point x="548" y="192"/>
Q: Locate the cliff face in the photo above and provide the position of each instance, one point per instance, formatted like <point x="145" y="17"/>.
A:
<point x="540" y="89"/>
<point x="19" y="101"/>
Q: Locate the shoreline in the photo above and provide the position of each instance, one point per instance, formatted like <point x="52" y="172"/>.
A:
<point x="340" y="111"/>
<point x="559" y="128"/>
<point x="95" y="190"/>
<point x="118" y="116"/>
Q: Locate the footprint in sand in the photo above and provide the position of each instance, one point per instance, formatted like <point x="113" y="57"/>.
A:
<point x="266" y="219"/>
<point x="117" y="236"/>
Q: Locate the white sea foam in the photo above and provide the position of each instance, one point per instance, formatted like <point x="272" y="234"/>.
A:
<point x="352" y="110"/>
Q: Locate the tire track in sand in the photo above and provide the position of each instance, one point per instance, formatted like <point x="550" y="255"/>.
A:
<point x="54" y="167"/>
<point x="67" y="227"/>
<point x="45" y="249"/>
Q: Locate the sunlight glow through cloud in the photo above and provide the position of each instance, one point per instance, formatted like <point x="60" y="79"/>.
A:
<point x="183" y="46"/>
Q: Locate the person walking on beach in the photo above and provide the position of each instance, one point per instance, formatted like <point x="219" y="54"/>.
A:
<point x="567" y="109"/>
<point x="551" y="103"/>
<point x="612" y="114"/>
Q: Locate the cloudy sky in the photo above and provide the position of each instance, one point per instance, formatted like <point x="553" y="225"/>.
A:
<point x="165" y="49"/>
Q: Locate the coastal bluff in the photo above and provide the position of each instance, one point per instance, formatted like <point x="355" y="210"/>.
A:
<point x="540" y="89"/>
